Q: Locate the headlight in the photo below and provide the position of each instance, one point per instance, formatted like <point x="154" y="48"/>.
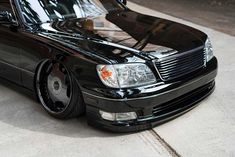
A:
<point x="125" y="75"/>
<point x="208" y="50"/>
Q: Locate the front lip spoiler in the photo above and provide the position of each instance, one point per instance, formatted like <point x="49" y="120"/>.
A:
<point x="154" y="120"/>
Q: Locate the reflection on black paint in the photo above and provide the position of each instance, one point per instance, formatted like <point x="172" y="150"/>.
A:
<point x="66" y="9"/>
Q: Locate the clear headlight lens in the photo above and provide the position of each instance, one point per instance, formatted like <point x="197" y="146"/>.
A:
<point x="208" y="50"/>
<point x="125" y="75"/>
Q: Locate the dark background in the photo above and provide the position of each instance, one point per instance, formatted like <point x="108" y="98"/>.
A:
<point x="215" y="14"/>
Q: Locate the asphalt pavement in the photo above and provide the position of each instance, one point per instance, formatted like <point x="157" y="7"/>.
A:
<point x="208" y="130"/>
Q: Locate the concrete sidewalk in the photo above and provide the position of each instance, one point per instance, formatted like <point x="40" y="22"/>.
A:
<point x="26" y="130"/>
<point x="208" y="130"/>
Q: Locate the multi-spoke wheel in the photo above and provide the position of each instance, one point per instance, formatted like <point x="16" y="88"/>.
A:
<point x="58" y="91"/>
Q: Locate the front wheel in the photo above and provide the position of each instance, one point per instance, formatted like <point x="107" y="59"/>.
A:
<point x="58" y="91"/>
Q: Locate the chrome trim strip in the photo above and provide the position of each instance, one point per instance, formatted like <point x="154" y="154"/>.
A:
<point x="155" y="66"/>
<point x="147" y="97"/>
<point x="13" y="66"/>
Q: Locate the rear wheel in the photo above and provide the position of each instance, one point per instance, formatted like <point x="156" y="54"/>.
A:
<point x="58" y="91"/>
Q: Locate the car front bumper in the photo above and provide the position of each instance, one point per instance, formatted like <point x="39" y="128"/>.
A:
<point x="153" y="105"/>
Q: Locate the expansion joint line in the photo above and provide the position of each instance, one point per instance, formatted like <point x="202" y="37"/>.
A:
<point x="171" y="150"/>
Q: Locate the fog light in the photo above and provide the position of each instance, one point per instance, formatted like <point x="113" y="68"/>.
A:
<point x="118" y="116"/>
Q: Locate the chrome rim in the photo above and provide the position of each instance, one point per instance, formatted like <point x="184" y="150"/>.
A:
<point x="54" y="87"/>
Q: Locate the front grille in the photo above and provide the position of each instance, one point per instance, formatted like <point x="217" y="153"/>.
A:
<point x="178" y="65"/>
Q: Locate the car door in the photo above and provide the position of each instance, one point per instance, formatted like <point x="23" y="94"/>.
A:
<point x="9" y="47"/>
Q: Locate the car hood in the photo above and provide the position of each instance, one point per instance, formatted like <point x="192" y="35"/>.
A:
<point x="125" y="36"/>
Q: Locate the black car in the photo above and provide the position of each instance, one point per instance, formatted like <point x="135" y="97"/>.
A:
<point x="127" y="71"/>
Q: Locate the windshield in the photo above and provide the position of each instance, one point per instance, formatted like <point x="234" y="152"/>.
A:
<point x="41" y="11"/>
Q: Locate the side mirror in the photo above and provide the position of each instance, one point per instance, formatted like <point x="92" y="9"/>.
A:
<point x="5" y="17"/>
<point x="123" y="1"/>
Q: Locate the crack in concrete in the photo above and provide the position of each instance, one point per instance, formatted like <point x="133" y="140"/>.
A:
<point x="170" y="149"/>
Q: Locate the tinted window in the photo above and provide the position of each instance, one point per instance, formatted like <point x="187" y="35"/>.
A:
<point x="40" y="11"/>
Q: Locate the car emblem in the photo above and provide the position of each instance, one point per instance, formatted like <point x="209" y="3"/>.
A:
<point x="162" y="52"/>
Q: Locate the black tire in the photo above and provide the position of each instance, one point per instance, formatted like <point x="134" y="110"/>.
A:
<point x="59" y="96"/>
